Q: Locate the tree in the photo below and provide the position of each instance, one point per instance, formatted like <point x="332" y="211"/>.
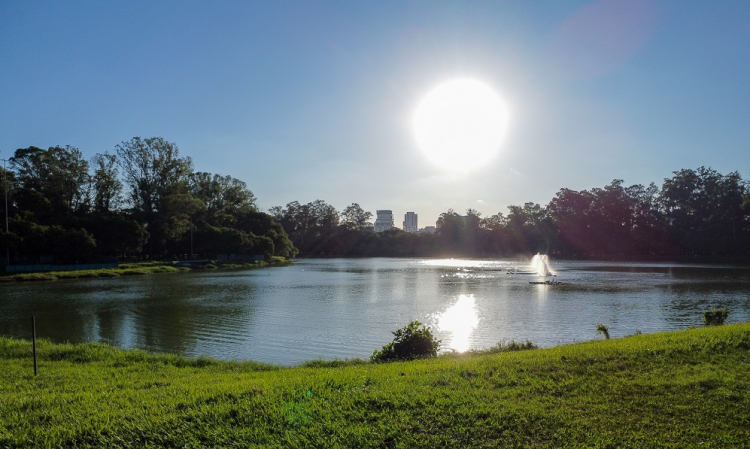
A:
<point x="649" y="235"/>
<point x="450" y="229"/>
<point x="570" y="212"/>
<point x="493" y="222"/>
<point x="116" y="234"/>
<point x="157" y="178"/>
<point x="312" y="227"/>
<point x="105" y="183"/>
<point x="64" y="245"/>
<point x="355" y="218"/>
<point x="8" y="240"/>
<point x="222" y="198"/>
<point x="704" y="210"/>
<point x="52" y="184"/>
<point x="263" y="225"/>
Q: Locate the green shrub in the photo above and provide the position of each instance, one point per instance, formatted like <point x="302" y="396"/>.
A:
<point x="602" y="329"/>
<point x="715" y="317"/>
<point x="411" y="342"/>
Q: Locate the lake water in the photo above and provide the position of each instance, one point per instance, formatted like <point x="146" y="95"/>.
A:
<point x="346" y="308"/>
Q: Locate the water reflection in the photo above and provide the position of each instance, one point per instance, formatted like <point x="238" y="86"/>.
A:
<point x="345" y="308"/>
<point x="172" y="312"/>
<point x="459" y="320"/>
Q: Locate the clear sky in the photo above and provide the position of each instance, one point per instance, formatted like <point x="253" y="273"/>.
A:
<point x="311" y="100"/>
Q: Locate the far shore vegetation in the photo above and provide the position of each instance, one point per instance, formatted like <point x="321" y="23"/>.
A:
<point x="140" y="268"/>
<point x="144" y="201"/>
<point x="141" y="202"/>
<point x="687" y="388"/>
<point x="695" y="216"/>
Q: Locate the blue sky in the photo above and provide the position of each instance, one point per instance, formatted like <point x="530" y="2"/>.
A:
<point x="313" y="100"/>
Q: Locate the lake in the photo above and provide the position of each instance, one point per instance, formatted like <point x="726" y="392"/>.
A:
<point x="346" y="308"/>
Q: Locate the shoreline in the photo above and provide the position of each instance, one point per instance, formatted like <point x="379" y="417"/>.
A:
<point x="139" y="269"/>
<point x="742" y="261"/>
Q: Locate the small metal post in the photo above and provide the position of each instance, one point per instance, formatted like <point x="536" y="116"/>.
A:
<point x="5" y="189"/>
<point x="33" y="339"/>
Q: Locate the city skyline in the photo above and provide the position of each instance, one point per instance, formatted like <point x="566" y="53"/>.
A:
<point x="306" y="101"/>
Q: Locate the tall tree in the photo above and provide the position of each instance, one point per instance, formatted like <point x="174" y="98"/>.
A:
<point x="704" y="210"/>
<point x="355" y="218"/>
<point x="222" y="198"/>
<point x="649" y="235"/>
<point x="451" y="228"/>
<point x="312" y="226"/>
<point x="52" y="184"/>
<point x="157" y="178"/>
<point x="9" y="240"/>
<point x="106" y="185"/>
<point x="570" y="212"/>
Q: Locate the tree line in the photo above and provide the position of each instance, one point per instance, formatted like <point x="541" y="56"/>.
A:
<point x="145" y="201"/>
<point x="696" y="214"/>
<point x="141" y="201"/>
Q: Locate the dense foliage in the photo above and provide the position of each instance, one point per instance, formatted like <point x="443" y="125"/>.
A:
<point x="715" y="317"/>
<point x="678" y="389"/>
<point x="413" y="341"/>
<point x="696" y="214"/>
<point x="143" y="201"/>
<point x="146" y="201"/>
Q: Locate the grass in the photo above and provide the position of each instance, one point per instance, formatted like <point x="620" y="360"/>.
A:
<point x="271" y="261"/>
<point x="681" y="389"/>
<point x="122" y="270"/>
<point x="135" y="269"/>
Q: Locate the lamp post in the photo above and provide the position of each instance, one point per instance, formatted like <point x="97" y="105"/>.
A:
<point x="5" y="189"/>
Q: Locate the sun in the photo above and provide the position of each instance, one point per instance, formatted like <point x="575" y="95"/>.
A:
<point x="460" y="124"/>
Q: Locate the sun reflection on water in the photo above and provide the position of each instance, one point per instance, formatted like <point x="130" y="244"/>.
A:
<point x="460" y="320"/>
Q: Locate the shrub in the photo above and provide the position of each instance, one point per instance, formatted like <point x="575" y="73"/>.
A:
<point x="411" y="342"/>
<point x="602" y="329"/>
<point x="715" y="317"/>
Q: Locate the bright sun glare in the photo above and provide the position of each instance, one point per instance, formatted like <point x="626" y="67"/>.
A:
<point x="460" y="124"/>
<point x="460" y="320"/>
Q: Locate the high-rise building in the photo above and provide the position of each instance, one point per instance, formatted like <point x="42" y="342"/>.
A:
<point x="410" y="222"/>
<point x="383" y="220"/>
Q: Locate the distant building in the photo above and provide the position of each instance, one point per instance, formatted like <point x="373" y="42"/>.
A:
<point x="410" y="222"/>
<point x="383" y="220"/>
<point x="427" y="230"/>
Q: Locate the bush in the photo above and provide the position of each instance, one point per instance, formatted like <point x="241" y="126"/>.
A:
<point x="715" y="317"/>
<point x="602" y="329"/>
<point x="411" y="342"/>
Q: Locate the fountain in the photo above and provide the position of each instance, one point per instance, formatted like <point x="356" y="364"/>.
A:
<point x="540" y="265"/>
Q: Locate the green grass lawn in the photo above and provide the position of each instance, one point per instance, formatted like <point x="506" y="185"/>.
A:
<point x="679" y="389"/>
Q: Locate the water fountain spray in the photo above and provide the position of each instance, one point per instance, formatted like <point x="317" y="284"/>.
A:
<point x="540" y="265"/>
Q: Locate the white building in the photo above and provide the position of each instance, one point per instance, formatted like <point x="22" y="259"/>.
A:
<point x="383" y="220"/>
<point x="410" y="222"/>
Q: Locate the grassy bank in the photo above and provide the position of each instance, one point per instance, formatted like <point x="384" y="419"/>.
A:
<point x="137" y="269"/>
<point x="681" y="389"/>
